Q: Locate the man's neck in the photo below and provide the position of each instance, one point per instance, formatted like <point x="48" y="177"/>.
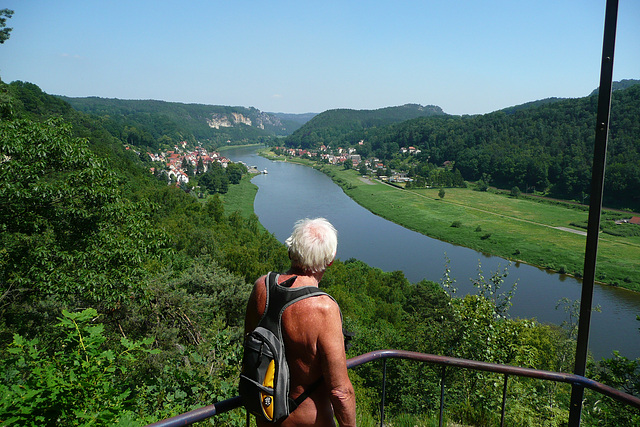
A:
<point x="317" y="276"/>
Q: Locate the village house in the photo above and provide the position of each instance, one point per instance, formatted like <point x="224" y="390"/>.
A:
<point x="400" y="177"/>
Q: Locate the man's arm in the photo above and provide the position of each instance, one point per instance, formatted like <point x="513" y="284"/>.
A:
<point x="334" y="366"/>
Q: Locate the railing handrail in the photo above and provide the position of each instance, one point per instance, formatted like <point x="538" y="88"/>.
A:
<point x="226" y="405"/>
<point x="498" y="368"/>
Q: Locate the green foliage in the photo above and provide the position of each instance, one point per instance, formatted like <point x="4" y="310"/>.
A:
<point x="235" y="172"/>
<point x="217" y="179"/>
<point x="441" y="193"/>
<point x="159" y="124"/>
<point x="427" y="320"/>
<point x="75" y="379"/>
<point x="490" y="289"/>
<point x="33" y="103"/>
<point x="623" y="374"/>
<point x="481" y="185"/>
<point x="4" y="31"/>
<point x="342" y="126"/>
<point x="67" y="231"/>
<point x="148" y="257"/>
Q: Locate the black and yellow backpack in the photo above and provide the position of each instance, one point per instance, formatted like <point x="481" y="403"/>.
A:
<point x="264" y="381"/>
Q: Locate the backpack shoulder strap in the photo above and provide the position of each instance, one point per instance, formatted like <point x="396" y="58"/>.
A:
<point x="281" y="296"/>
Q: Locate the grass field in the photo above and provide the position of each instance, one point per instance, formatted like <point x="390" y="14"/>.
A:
<point x="240" y="197"/>
<point x="521" y="229"/>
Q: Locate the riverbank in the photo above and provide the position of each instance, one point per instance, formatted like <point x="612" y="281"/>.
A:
<point x="518" y="229"/>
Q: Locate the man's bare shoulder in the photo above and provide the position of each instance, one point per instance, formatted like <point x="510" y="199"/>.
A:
<point x="321" y="303"/>
<point x="320" y="314"/>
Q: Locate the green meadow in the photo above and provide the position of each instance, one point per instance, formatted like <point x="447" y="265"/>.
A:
<point x="535" y="231"/>
<point x="240" y="197"/>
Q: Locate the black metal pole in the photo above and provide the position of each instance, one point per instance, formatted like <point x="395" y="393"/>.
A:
<point x="595" y="206"/>
<point x="504" y="399"/>
<point x="384" y="390"/>
<point x="441" y="417"/>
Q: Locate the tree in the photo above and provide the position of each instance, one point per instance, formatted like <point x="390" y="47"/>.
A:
<point x="215" y="180"/>
<point x="235" y="171"/>
<point x="4" y="32"/>
<point x="187" y="167"/>
<point x="515" y="192"/>
<point x="200" y="166"/>
<point x="68" y="233"/>
<point x="441" y="193"/>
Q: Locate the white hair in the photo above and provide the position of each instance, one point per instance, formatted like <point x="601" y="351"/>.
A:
<point x="312" y="244"/>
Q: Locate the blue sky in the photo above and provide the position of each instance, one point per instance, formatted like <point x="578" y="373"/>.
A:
<point x="468" y="57"/>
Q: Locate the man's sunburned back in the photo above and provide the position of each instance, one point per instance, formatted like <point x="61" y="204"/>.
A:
<point x="308" y="329"/>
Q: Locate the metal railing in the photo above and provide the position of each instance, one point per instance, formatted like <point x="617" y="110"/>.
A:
<point x="203" y="413"/>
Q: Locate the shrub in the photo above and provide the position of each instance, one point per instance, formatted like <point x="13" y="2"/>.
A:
<point x="77" y="382"/>
<point x="482" y="185"/>
<point x="486" y="236"/>
<point x="456" y="224"/>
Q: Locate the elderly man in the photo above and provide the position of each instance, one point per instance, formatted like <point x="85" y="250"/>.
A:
<point x="312" y="331"/>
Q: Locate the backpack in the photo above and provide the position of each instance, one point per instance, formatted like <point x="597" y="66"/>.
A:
<point x="264" y="380"/>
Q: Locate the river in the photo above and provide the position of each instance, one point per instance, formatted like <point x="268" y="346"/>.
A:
<point x="290" y="191"/>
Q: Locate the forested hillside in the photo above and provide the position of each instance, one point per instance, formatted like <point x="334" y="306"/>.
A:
<point x="546" y="146"/>
<point x="149" y="123"/>
<point x="343" y="126"/>
<point x="122" y="298"/>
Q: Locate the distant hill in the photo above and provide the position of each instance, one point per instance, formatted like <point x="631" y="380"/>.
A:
<point x="299" y="119"/>
<point x="205" y="123"/>
<point x="619" y="85"/>
<point x="532" y="104"/>
<point x="548" y="147"/>
<point x="344" y="126"/>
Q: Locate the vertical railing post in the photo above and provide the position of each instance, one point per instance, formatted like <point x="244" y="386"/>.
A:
<point x="442" y="378"/>
<point x="504" y="399"/>
<point x="595" y="206"/>
<point x="384" y="387"/>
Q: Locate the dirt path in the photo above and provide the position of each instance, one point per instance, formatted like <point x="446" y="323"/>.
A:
<point x="366" y="181"/>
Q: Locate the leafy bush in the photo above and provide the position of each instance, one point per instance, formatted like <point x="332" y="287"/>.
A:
<point x="75" y="380"/>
